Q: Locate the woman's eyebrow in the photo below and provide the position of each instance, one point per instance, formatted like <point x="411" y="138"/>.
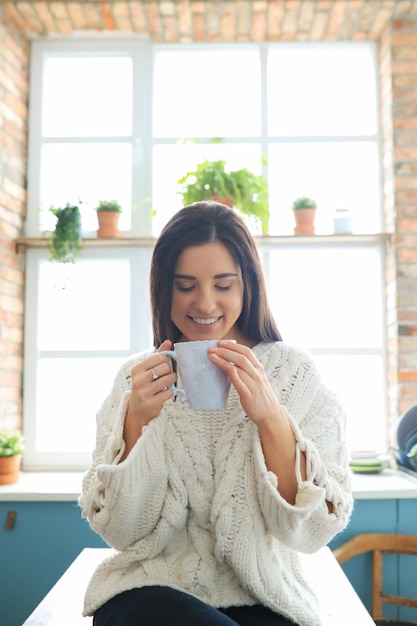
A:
<point x="188" y="277"/>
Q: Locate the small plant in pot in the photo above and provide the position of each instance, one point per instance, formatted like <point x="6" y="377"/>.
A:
<point x="242" y="189"/>
<point x="108" y="214"/>
<point x="304" y="213"/>
<point x="11" y="448"/>
<point x="64" y="243"/>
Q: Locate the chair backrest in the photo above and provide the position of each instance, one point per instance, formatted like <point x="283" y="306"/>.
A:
<point x="378" y="544"/>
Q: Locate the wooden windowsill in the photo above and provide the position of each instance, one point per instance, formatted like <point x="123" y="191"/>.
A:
<point x="101" y="242"/>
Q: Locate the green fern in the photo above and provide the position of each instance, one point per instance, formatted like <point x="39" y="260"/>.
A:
<point x="248" y="192"/>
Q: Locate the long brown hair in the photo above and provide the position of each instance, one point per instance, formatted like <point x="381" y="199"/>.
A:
<point x="198" y="224"/>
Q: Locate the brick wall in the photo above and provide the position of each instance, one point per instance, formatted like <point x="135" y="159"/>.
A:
<point x="403" y="44"/>
<point x="398" y="89"/>
<point x="212" y="20"/>
<point x="14" y="57"/>
<point x="393" y="23"/>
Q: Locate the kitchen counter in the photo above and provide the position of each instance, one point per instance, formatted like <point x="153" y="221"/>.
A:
<point x="66" y="486"/>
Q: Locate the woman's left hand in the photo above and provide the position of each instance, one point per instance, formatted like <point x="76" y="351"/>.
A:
<point x="249" y="379"/>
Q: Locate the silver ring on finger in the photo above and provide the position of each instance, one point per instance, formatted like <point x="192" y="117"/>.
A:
<point x="154" y="374"/>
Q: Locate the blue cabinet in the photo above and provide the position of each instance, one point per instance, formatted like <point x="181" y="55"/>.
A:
<point x="385" y="515"/>
<point x="45" y="539"/>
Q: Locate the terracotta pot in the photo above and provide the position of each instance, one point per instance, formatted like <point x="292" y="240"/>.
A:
<point x="108" y="222"/>
<point x="304" y="221"/>
<point x="10" y="469"/>
<point x="227" y="200"/>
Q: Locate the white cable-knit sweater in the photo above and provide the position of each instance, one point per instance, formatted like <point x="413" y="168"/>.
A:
<point x="194" y="507"/>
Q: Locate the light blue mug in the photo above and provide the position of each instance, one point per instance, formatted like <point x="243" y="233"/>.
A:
<point x="205" y="386"/>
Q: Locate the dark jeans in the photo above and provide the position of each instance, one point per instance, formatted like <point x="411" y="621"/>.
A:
<point x="163" y="606"/>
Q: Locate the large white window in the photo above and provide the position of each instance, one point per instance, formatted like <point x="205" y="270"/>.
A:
<point x="123" y="119"/>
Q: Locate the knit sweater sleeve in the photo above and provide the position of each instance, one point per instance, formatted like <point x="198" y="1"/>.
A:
<point x="324" y="500"/>
<point x="123" y="501"/>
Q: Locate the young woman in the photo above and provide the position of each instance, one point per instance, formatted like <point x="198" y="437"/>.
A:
<point x="208" y="509"/>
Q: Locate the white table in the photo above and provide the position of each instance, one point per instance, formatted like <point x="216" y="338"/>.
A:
<point x="340" y="604"/>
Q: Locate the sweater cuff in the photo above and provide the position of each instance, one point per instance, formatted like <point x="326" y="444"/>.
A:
<point x="280" y="515"/>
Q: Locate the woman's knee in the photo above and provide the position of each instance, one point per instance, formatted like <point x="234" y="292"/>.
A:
<point x="158" y="606"/>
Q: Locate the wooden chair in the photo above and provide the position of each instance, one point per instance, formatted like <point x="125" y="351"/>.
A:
<point x="378" y="544"/>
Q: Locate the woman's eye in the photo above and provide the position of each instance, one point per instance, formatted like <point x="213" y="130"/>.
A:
<point x="184" y="289"/>
<point x="223" y="287"/>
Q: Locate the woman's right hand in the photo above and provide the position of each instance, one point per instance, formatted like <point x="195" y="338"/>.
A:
<point x="148" y="394"/>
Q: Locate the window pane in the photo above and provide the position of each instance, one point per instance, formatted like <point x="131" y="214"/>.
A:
<point x="85" y="305"/>
<point x="358" y="381"/>
<point x="86" y="172"/>
<point x="202" y="93"/>
<point x="328" y="297"/>
<point x="87" y="96"/>
<point x="321" y="90"/>
<point x="69" y="393"/>
<point x="337" y="175"/>
<point x="170" y="163"/>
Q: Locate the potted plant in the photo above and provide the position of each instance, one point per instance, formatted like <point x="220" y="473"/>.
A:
<point x="64" y="243"/>
<point x="304" y="213"/>
<point x="11" y="448"/>
<point x="108" y="214"/>
<point x="242" y="189"/>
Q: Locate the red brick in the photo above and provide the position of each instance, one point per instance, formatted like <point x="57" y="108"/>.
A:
<point x="76" y="15"/>
<point x="11" y="333"/>
<point x="406" y="182"/>
<point x="93" y="16"/>
<point x="405" y="405"/>
<point x="11" y="378"/>
<point x="407" y="256"/>
<point x="408" y="391"/>
<point x="10" y="422"/>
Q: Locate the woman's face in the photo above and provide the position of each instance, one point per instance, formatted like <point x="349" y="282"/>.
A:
<point x="207" y="295"/>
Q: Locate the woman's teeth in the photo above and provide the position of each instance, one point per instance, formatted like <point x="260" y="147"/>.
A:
<point x="206" y="322"/>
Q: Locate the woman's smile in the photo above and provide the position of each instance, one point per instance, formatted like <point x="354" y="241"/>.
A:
<point x="204" y="321"/>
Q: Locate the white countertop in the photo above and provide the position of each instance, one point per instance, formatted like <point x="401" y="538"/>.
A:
<point x="339" y="603"/>
<point x="66" y="486"/>
<point x="44" y="487"/>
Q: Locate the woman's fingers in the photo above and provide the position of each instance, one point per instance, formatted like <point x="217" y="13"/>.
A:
<point x="248" y="377"/>
<point x="228" y="354"/>
<point x="150" y="381"/>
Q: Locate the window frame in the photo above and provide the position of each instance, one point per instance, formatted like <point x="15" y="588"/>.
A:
<point x="143" y="143"/>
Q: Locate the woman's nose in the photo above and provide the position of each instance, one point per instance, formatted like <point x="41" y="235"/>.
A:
<point x="205" y="302"/>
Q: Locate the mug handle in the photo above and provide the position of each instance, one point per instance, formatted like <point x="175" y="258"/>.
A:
<point x="176" y="391"/>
